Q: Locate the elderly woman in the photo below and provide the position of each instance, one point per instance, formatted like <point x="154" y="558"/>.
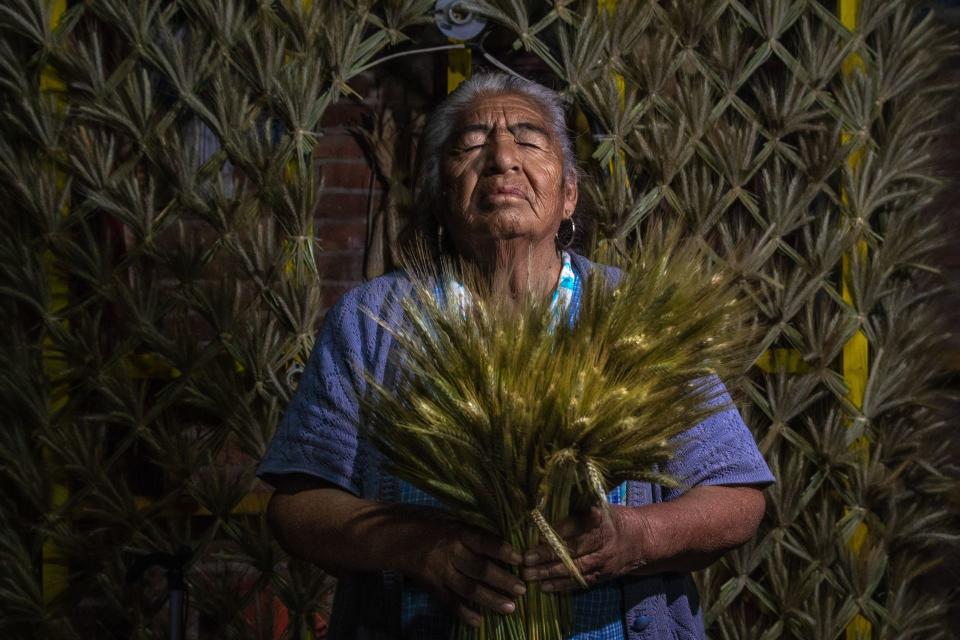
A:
<point x="501" y="183"/>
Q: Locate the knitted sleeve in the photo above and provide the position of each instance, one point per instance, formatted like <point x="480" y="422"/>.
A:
<point x="318" y="434"/>
<point x="720" y="450"/>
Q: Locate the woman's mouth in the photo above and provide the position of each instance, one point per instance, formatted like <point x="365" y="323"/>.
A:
<point x="506" y="193"/>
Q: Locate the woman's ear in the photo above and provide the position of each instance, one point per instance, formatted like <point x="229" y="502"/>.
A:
<point x="570" y="194"/>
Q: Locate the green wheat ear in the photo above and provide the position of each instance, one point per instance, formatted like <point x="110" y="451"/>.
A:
<point x="596" y="483"/>
<point x="556" y="544"/>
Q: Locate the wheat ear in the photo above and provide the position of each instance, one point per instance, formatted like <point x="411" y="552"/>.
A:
<point x="556" y="543"/>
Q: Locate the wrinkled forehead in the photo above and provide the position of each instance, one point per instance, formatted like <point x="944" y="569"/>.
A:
<point x="505" y="110"/>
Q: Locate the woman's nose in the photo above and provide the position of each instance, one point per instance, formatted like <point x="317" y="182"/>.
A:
<point x="503" y="154"/>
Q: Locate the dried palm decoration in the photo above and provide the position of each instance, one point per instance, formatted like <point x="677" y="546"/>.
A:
<point x="513" y="420"/>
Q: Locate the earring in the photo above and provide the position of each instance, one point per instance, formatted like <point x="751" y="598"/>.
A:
<point x="565" y="238"/>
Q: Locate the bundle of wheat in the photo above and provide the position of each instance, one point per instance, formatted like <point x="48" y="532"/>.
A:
<point x="513" y="420"/>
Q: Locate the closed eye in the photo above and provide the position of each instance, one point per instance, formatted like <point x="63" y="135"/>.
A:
<point x="530" y="135"/>
<point x="522" y="143"/>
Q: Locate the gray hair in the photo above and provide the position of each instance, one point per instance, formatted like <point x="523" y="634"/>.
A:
<point x="441" y="123"/>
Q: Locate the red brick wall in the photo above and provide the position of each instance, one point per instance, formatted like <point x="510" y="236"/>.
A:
<point x="351" y="190"/>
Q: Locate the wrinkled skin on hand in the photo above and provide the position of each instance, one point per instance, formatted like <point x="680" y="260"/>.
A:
<point x="597" y="545"/>
<point x="685" y="534"/>
<point x="466" y="569"/>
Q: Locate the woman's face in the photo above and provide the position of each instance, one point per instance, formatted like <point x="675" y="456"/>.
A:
<point x="503" y="175"/>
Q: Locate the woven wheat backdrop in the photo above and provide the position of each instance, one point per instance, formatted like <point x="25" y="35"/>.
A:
<point x="159" y="282"/>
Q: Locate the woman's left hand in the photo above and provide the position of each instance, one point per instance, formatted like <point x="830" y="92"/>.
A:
<point x="599" y="545"/>
<point x="688" y="533"/>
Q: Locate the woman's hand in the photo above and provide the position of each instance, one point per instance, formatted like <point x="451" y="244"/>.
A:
<point x="688" y="533"/>
<point x="599" y="548"/>
<point x="463" y="567"/>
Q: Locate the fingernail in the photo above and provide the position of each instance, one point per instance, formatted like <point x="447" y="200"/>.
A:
<point x="531" y="558"/>
<point x="519" y="589"/>
<point x="515" y="558"/>
<point x="507" y="607"/>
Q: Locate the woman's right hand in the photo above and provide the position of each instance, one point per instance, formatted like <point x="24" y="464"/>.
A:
<point x="463" y="567"/>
